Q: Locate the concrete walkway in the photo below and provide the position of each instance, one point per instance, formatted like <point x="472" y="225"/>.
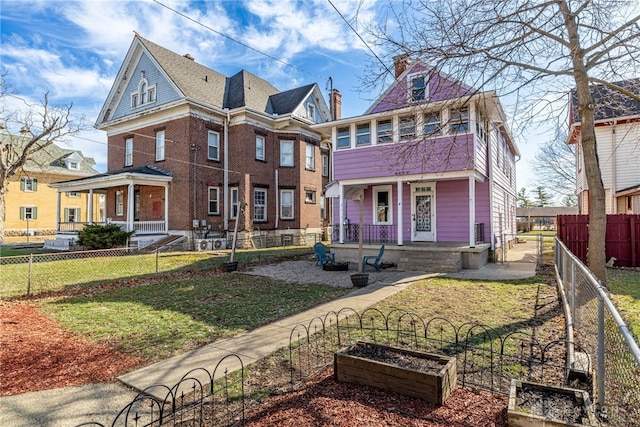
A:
<point x="102" y="402"/>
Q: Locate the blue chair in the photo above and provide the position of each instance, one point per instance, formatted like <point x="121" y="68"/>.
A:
<point x="376" y="260"/>
<point x="322" y="257"/>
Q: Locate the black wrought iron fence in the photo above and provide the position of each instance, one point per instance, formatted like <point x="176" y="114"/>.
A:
<point x="370" y="233"/>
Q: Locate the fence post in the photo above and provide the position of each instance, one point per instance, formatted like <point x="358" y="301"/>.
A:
<point x="573" y="292"/>
<point x="157" y="257"/>
<point x="29" y="275"/>
<point x="601" y="343"/>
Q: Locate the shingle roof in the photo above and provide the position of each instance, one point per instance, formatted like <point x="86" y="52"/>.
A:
<point x="248" y="90"/>
<point x="286" y="102"/>
<point x="143" y="170"/>
<point x="609" y="103"/>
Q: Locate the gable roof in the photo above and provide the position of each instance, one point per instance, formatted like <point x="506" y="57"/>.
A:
<point x="197" y="82"/>
<point x="51" y="159"/>
<point x="610" y="104"/>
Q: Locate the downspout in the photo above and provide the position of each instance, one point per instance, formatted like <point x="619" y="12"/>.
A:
<point x="225" y="182"/>
<point x="491" y="214"/>
<point x="614" y="179"/>
<point x="277" y="200"/>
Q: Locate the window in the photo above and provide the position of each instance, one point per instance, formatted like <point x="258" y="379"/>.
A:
<point x="323" y="208"/>
<point x="151" y="94"/>
<point x="418" y="88"/>
<point x="432" y="123"/>
<point x="286" y="153"/>
<point x="260" y="205"/>
<point x="385" y="131"/>
<point x="119" y="203"/>
<point x="29" y="185"/>
<point x="72" y="214"/>
<point x="214" y="202"/>
<point x="28" y="212"/>
<point x="234" y="202"/>
<point x="344" y="137"/>
<point x="286" y="204"/>
<point x="407" y="128"/>
<point x="310" y="158"/>
<point x="160" y="145"/>
<point x="382" y="199"/>
<point x="325" y="165"/>
<point x="73" y="194"/>
<point x="363" y="134"/>
<point x="309" y="196"/>
<point x="73" y="165"/>
<point x="460" y="120"/>
<point x="213" y="145"/>
<point x="311" y="112"/>
<point x="146" y="93"/>
<point x="260" y="140"/>
<point x="128" y="152"/>
<point x="134" y="100"/>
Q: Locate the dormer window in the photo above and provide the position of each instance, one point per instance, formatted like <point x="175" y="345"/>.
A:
<point x="418" y="88"/>
<point x="73" y="165"/>
<point x="146" y="93"/>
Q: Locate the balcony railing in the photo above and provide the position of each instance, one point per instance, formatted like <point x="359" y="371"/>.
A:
<point x="370" y="233"/>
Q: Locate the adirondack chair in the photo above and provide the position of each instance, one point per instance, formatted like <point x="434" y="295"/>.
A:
<point x="322" y="257"/>
<point x="373" y="260"/>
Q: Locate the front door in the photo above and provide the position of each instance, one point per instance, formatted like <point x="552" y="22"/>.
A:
<point x="423" y="212"/>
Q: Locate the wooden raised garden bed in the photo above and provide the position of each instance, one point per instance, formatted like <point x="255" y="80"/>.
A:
<point x="532" y="405"/>
<point x="428" y="376"/>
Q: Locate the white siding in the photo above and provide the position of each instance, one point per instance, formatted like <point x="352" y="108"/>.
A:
<point x="627" y="156"/>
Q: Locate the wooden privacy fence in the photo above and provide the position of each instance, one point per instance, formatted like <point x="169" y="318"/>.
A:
<point x="622" y="239"/>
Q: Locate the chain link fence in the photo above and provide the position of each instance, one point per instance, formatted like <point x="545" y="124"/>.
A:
<point x="597" y="324"/>
<point x="34" y="274"/>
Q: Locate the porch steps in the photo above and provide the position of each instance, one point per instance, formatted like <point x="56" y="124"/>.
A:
<point x="433" y="261"/>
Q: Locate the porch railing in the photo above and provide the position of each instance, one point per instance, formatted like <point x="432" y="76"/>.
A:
<point x="75" y="226"/>
<point x="143" y="227"/>
<point x="370" y="233"/>
<point x="479" y="233"/>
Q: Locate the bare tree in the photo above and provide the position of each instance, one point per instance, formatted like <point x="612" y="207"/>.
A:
<point x="27" y="130"/>
<point x="534" y="51"/>
<point x="554" y="164"/>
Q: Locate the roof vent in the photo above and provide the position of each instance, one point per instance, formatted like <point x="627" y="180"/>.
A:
<point x="188" y="56"/>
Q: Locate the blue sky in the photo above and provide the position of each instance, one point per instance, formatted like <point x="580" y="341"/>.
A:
<point x="73" y="49"/>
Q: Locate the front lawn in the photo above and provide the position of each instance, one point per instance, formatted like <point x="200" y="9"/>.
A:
<point x="624" y="285"/>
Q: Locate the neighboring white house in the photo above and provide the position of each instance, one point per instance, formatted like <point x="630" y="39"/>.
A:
<point x="618" y="143"/>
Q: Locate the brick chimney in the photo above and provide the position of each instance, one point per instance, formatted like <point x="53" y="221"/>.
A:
<point x="336" y="102"/>
<point x="400" y="63"/>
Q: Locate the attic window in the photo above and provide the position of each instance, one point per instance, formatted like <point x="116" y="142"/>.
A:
<point x="73" y="166"/>
<point x="311" y="112"/>
<point x="146" y="94"/>
<point x="417" y="88"/>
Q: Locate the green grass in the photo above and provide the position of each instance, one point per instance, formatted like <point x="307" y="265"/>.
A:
<point x="56" y="275"/>
<point x="624" y="285"/>
<point x="157" y="321"/>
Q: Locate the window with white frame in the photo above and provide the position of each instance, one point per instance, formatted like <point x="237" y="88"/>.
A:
<point x="311" y="112"/>
<point x="146" y="93"/>
<point x="432" y="123"/>
<point x="260" y="142"/>
<point x="128" y="152"/>
<point x="310" y="157"/>
<point x="73" y="194"/>
<point x="214" y="200"/>
<point x="286" y="153"/>
<point x="407" y="128"/>
<point x="160" y="145"/>
<point x="309" y="196"/>
<point x="233" y="195"/>
<point x="213" y="145"/>
<point x="385" y="131"/>
<point x="29" y="185"/>
<point x="325" y="165"/>
<point x="73" y="166"/>
<point x="459" y="119"/>
<point x="72" y="215"/>
<point x="286" y="204"/>
<point x="344" y="137"/>
<point x="363" y="134"/>
<point x="418" y="88"/>
<point x="119" y="203"/>
<point x="28" y="212"/>
<point x="383" y="212"/>
<point x="259" y="205"/>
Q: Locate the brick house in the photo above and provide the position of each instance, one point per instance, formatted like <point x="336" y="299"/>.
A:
<point x="188" y="147"/>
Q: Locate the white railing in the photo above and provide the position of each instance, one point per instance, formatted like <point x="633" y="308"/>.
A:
<point x="143" y="227"/>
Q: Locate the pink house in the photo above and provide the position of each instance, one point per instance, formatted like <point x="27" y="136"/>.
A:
<point x="434" y="164"/>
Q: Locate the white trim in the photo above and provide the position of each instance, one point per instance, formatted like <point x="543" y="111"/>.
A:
<point x="266" y="195"/>
<point x="292" y="204"/>
<point x="210" y="145"/>
<point x="217" y="200"/>
<point x="374" y="205"/>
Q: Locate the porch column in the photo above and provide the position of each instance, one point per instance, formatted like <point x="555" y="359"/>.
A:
<point x="472" y="212"/>
<point x="399" y="214"/>
<point x="130" y="203"/>
<point x="58" y="211"/>
<point x="166" y="208"/>
<point x="90" y="207"/>
<point x="341" y="215"/>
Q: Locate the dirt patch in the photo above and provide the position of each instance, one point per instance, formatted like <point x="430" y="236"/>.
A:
<point x="551" y="405"/>
<point x="394" y="357"/>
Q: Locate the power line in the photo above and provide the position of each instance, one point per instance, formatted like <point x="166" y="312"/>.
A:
<point x="195" y="21"/>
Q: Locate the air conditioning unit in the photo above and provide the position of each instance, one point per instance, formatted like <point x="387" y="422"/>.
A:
<point x="219" y="244"/>
<point x="203" y="244"/>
